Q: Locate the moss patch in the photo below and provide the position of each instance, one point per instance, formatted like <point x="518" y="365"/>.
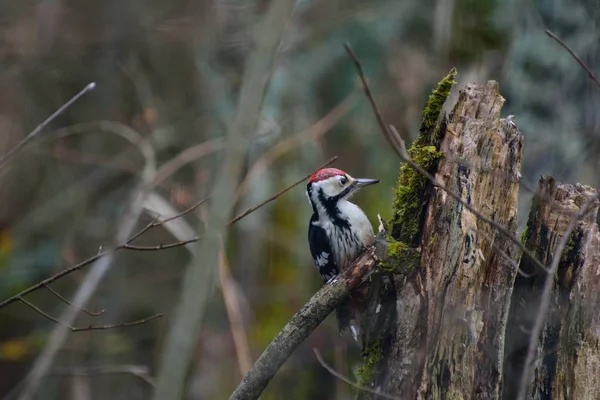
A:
<point x="369" y="369"/>
<point x="400" y="258"/>
<point x="408" y="201"/>
<point x="410" y="194"/>
<point x="434" y="105"/>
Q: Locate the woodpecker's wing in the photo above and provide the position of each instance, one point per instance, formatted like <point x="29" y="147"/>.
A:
<point x="320" y="248"/>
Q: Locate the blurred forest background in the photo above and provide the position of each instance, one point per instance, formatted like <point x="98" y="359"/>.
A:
<point x="172" y="71"/>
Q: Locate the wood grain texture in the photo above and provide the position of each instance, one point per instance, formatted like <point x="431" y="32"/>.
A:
<point x="468" y="281"/>
<point x="568" y="355"/>
<point x="442" y="327"/>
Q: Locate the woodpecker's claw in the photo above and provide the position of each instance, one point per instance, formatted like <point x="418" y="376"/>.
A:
<point x="333" y="279"/>
<point x="381" y="228"/>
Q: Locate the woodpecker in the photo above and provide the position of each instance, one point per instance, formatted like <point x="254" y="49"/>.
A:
<point x="338" y="231"/>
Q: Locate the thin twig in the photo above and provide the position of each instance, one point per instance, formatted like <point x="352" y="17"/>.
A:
<point x="101" y="267"/>
<point x="547" y="292"/>
<point x="92" y="314"/>
<point x="88" y="328"/>
<point x="382" y="125"/>
<point x="348" y="381"/>
<point x="54" y="277"/>
<point x="33" y="134"/>
<point x="126" y="245"/>
<point x="163" y="246"/>
<point x="140" y="371"/>
<point x="158" y="222"/>
<point x="276" y="195"/>
<point x="122" y="325"/>
<point x="231" y="222"/>
<point x="575" y="56"/>
<point x="153" y="224"/>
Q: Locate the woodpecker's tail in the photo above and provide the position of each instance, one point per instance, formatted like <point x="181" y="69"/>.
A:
<point x="346" y="319"/>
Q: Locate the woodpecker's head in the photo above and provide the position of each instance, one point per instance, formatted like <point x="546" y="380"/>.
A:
<point x="330" y="185"/>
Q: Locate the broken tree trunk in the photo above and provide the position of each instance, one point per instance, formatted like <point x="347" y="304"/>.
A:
<point x="448" y="319"/>
<point x="567" y="362"/>
<point x="441" y="319"/>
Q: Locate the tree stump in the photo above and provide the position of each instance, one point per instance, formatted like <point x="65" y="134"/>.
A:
<point x="449" y="317"/>
<point x="568" y="355"/>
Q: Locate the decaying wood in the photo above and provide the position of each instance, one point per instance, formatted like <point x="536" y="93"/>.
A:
<point x="568" y="355"/>
<point x="449" y="318"/>
<point x="468" y="281"/>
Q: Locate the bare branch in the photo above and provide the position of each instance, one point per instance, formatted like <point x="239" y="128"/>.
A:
<point x="244" y="214"/>
<point x="54" y="277"/>
<point x="140" y="371"/>
<point x="163" y="246"/>
<point x="382" y="125"/>
<point x="348" y="381"/>
<point x="306" y="320"/>
<point x="90" y="327"/>
<point x="575" y="56"/>
<point x="33" y="134"/>
<point x="276" y="195"/>
<point x="153" y="224"/>
<point x="92" y="314"/>
<point x="97" y="272"/>
<point x="121" y="325"/>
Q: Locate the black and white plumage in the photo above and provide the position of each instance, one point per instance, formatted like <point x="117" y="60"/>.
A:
<point x="339" y="230"/>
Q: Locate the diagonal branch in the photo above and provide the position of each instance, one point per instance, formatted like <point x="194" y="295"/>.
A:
<point x="90" y="313"/>
<point x="575" y="56"/>
<point x="33" y="134"/>
<point x="304" y="322"/>
<point x="348" y="381"/>
<point x="153" y="224"/>
<point x="90" y="327"/>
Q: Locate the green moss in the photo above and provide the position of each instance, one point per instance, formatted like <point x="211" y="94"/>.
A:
<point x="372" y="356"/>
<point x="434" y="105"/>
<point x="408" y="201"/>
<point x="400" y="257"/>
<point x="410" y="193"/>
<point x="524" y="236"/>
<point x="524" y="239"/>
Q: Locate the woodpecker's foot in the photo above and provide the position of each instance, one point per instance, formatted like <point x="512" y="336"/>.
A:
<point x="331" y="280"/>
<point x="381" y="228"/>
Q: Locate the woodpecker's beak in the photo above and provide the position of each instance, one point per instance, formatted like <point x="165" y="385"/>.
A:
<point x="360" y="182"/>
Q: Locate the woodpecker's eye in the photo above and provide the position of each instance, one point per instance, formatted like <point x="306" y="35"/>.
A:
<point x="343" y="180"/>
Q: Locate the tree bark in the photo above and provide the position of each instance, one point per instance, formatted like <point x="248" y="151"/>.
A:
<point x="443" y="331"/>
<point x="451" y="326"/>
<point x="568" y="355"/>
